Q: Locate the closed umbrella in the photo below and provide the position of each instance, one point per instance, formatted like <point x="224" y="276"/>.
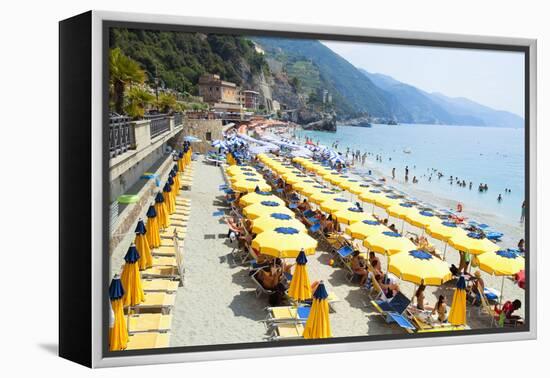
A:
<point x="168" y="199"/>
<point x="284" y="242"/>
<point x="388" y="243"/>
<point x="118" y="333"/>
<point x="275" y="220"/>
<point x="162" y="213"/>
<point x="318" y="323"/>
<point x="153" y="233"/>
<point x="300" y="288"/>
<point x="142" y="245"/>
<point x="176" y="177"/>
<point x="365" y="228"/>
<point x="419" y="267"/>
<point x="131" y="278"/>
<point x="457" y="315"/>
<point x="265" y="208"/>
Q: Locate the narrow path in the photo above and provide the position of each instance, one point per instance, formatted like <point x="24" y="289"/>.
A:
<point x="217" y="304"/>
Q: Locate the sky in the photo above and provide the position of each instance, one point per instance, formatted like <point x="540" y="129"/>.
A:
<point x="491" y="78"/>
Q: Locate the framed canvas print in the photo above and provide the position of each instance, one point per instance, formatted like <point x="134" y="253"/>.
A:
<point x="235" y="189"/>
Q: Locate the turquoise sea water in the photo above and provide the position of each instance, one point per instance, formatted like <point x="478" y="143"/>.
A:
<point x="490" y="155"/>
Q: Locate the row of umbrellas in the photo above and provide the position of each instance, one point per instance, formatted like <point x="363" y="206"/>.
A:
<point x="126" y="289"/>
<point x="280" y="234"/>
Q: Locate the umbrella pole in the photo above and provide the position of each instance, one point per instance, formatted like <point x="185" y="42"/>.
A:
<point x="501" y="291"/>
<point x="445" y="251"/>
<point x="402" y="226"/>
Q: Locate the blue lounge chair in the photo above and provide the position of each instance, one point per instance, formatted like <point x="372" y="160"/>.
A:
<point x="393" y="311"/>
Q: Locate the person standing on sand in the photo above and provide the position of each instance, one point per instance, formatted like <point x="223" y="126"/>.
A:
<point x="522" y="218"/>
<point x="393" y="173"/>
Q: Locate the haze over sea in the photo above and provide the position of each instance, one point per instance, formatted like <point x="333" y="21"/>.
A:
<point x="489" y="155"/>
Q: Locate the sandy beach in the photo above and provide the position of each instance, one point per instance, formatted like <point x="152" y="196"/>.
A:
<point x="218" y="305"/>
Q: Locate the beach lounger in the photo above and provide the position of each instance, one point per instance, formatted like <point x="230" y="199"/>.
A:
<point x="149" y="322"/>
<point x="394" y="309"/>
<point x="169" y="232"/>
<point x="156" y="300"/>
<point x="148" y="340"/>
<point x="425" y="327"/>
<point x="287" y="332"/>
<point x="159" y="284"/>
<point x="287" y="314"/>
<point x="168" y="272"/>
<point x="165" y="250"/>
<point x="260" y="289"/>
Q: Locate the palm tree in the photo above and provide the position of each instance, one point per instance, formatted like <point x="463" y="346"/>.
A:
<point x="137" y="99"/>
<point x="123" y="71"/>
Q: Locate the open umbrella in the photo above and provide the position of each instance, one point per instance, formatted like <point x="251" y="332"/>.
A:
<point x="419" y="267"/>
<point x="300" y="288"/>
<point x="473" y="243"/>
<point x="284" y="242"/>
<point x="118" y="333"/>
<point x="262" y="208"/>
<point x="274" y="220"/>
<point x="153" y="234"/>
<point x="131" y="278"/>
<point x="444" y="231"/>
<point x="388" y="200"/>
<point x="255" y="197"/>
<point x="457" y="315"/>
<point x="142" y="245"/>
<point x="162" y="213"/>
<point x="421" y="219"/>
<point x="352" y="215"/>
<point x="335" y="204"/>
<point x="388" y="243"/>
<point x="236" y="169"/>
<point x="506" y="262"/>
<point x="365" y="228"/>
<point x="309" y="190"/>
<point x="249" y="185"/>
<point x="323" y="195"/>
<point x="318" y="323"/>
<point x="244" y="175"/>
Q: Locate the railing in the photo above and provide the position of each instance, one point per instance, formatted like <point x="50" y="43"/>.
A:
<point x="159" y="126"/>
<point x="178" y="119"/>
<point x="120" y="135"/>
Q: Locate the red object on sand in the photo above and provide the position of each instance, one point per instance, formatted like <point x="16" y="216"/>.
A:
<point x="520" y="279"/>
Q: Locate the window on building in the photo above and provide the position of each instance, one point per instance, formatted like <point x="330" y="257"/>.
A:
<point x="209" y="136"/>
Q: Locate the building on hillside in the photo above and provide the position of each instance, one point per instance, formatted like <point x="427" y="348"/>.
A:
<point x="250" y="99"/>
<point x="222" y="96"/>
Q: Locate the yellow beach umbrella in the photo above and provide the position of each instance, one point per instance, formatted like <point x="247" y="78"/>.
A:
<point x="274" y="220"/>
<point x="308" y="191"/>
<point x="419" y="267"/>
<point x="348" y="183"/>
<point x="142" y="245"/>
<point x="365" y="228"/>
<point x="244" y="175"/>
<point x="118" y="332"/>
<point x="176" y="177"/>
<point x="457" y="314"/>
<point x="422" y="219"/>
<point x="236" y="169"/>
<point x="335" y="204"/>
<point x="323" y="195"/>
<point x="352" y="215"/>
<point x="401" y="210"/>
<point x="334" y="179"/>
<point x="255" y="197"/>
<point x="505" y="262"/>
<point x="473" y="243"/>
<point x="444" y="230"/>
<point x="303" y="184"/>
<point x="370" y="195"/>
<point x="300" y="288"/>
<point x="162" y="213"/>
<point x="294" y="179"/>
<point x="263" y="208"/>
<point x="318" y="323"/>
<point x="169" y="199"/>
<point x="388" y="200"/>
<point x="250" y="184"/>
<point x="358" y="187"/>
<point x="388" y="243"/>
<point x="284" y="242"/>
<point x="153" y="233"/>
<point x="131" y="278"/>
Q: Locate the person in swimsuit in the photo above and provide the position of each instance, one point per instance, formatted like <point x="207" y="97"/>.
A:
<point x="358" y="265"/>
<point x="440" y="309"/>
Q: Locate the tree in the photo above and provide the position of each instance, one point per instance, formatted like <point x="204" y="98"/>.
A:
<point x="123" y="71"/>
<point x="136" y="101"/>
<point x="167" y="103"/>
